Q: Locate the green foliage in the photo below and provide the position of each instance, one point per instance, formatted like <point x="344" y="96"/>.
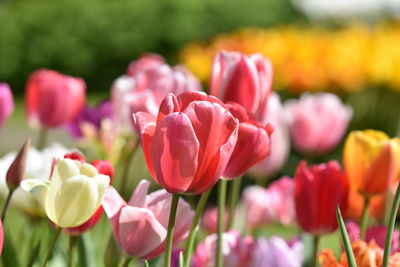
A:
<point x="96" y="39"/>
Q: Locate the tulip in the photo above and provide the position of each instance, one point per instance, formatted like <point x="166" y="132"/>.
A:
<point x="1" y="237"/>
<point x="318" y="190"/>
<point x="237" y="250"/>
<point x="6" y="103"/>
<point x="210" y="219"/>
<point x="148" y="82"/>
<point x="39" y="165"/>
<point x="376" y="233"/>
<point x="317" y="122"/>
<point x="371" y="160"/>
<point x="356" y="205"/>
<point x="365" y="254"/>
<point x="91" y="116"/>
<point x="140" y="226"/>
<point x="274" y="204"/>
<point x="280" y="140"/>
<point x="277" y="252"/>
<point x="246" y="80"/>
<point x="189" y="145"/>
<point x="53" y="99"/>
<point x="103" y="167"/>
<point x="16" y="170"/>
<point x="72" y="195"/>
<point x="253" y="143"/>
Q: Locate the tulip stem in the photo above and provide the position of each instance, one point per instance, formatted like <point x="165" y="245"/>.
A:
<point x="6" y="205"/>
<point x="128" y="157"/>
<point x="171" y="227"/>
<point x="316" y="239"/>
<point x="390" y="227"/>
<point x="42" y="138"/>
<point x="51" y="247"/>
<point x="364" y="218"/>
<point x="192" y="234"/>
<point x="72" y="245"/>
<point x="235" y="192"/>
<point x="126" y="262"/>
<point x="221" y="208"/>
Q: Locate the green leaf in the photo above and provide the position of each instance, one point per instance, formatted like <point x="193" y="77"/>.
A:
<point x="34" y="255"/>
<point x="9" y="255"/>
<point x="181" y="261"/>
<point x="390" y="227"/>
<point x="345" y="238"/>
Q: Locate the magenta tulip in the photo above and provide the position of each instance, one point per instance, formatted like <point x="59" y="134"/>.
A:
<point x="6" y="103"/>
<point x="317" y="122"/>
<point x="246" y="80"/>
<point x="140" y="226"/>
<point x="189" y="145"/>
<point x="53" y="99"/>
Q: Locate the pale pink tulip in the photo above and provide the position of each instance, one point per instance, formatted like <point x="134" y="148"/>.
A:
<point x="140" y="226"/>
<point x="236" y="250"/>
<point x="6" y="103"/>
<point x="280" y="140"/>
<point x="148" y="82"/>
<point x="246" y="80"/>
<point x="317" y="122"/>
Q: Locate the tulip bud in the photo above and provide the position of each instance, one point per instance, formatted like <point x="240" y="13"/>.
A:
<point x="6" y="102"/>
<point x="16" y="171"/>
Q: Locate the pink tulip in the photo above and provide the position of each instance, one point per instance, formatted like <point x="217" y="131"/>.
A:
<point x="189" y="145"/>
<point x="53" y="99"/>
<point x="246" y="80"/>
<point x="253" y="144"/>
<point x="280" y="140"/>
<point x="274" y="204"/>
<point x="237" y="250"/>
<point x="148" y="82"/>
<point x="6" y="103"/>
<point x="377" y="233"/>
<point x="140" y="226"/>
<point x="209" y="220"/>
<point x="317" y="122"/>
<point x="1" y="236"/>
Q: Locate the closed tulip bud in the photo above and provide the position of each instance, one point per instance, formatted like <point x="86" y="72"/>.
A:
<point x="246" y="80"/>
<point x="317" y="122"/>
<point x="6" y="103"/>
<point x="371" y="160"/>
<point x="53" y="99"/>
<point x="280" y="140"/>
<point x="318" y="191"/>
<point x="72" y="195"/>
<point x="189" y="145"/>
<point x="140" y="226"/>
<point x="253" y="143"/>
<point x="16" y="171"/>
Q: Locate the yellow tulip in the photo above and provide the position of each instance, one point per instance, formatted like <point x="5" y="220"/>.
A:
<point x="371" y="161"/>
<point x="72" y="195"/>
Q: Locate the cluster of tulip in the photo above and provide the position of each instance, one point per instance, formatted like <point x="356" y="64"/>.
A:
<point x="193" y="142"/>
<point x="313" y="59"/>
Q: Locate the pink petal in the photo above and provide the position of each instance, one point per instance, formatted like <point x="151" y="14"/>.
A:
<point x="139" y="196"/>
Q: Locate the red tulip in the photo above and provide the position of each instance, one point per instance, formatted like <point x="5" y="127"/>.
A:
<point x="103" y="167"/>
<point x="253" y="144"/>
<point x="318" y="190"/>
<point x="189" y="145"/>
<point x="53" y="99"/>
<point x="246" y="80"/>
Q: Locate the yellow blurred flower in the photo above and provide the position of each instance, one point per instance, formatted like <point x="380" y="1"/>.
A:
<point x="73" y="194"/>
<point x="371" y="161"/>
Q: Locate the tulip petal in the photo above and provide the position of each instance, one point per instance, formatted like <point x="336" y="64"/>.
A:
<point x="353" y="160"/>
<point x="38" y="188"/>
<point x="174" y="152"/>
<point x="139" y="196"/>
<point x="140" y="232"/>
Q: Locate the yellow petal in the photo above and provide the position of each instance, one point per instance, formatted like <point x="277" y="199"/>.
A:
<point x="38" y="188"/>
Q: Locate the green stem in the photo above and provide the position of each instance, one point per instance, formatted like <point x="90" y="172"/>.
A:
<point x="221" y="209"/>
<point x="235" y="192"/>
<point x="390" y="227"/>
<point x="42" y="138"/>
<point x="52" y="244"/>
<point x="192" y="234"/>
<point x="128" y="157"/>
<point x="171" y="227"/>
<point x="314" y="259"/>
<point x="72" y="244"/>
<point x="126" y="262"/>
<point x="364" y="218"/>
<point x="6" y="205"/>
